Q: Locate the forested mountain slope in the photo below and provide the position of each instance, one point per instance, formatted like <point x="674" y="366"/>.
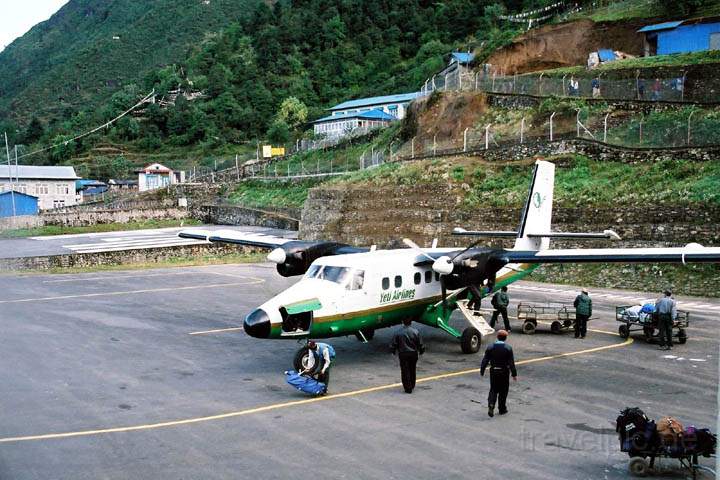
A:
<point x="90" y="47"/>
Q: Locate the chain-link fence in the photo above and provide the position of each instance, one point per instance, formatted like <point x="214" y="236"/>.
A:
<point x="677" y="88"/>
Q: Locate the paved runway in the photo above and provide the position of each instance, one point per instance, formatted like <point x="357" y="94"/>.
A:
<point x="126" y="375"/>
<point x="113" y="241"/>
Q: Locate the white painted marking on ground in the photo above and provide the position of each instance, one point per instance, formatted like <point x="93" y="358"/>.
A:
<point x="697" y="360"/>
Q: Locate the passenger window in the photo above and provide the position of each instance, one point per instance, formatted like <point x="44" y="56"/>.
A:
<point x="385" y="283"/>
<point x="437" y="277"/>
<point x="418" y="278"/>
<point x="428" y="276"/>
<point x="398" y="281"/>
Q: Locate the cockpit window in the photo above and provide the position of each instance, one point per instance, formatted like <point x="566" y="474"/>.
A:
<point x="350" y="278"/>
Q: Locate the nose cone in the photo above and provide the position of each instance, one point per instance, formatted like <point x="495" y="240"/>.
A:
<point x="257" y="324"/>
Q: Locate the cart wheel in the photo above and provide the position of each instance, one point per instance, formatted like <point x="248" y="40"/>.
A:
<point x="623" y="331"/>
<point x="556" y="327"/>
<point x="567" y="324"/>
<point x="528" y="328"/>
<point x="682" y="336"/>
<point x="638" y="466"/>
<point x="470" y="340"/>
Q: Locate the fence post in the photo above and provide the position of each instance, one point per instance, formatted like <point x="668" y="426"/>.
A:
<point x="551" y="125"/>
<point x="465" y="139"/>
<point x="514" y="80"/>
<point x="577" y="123"/>
<point x="412" y="148"/>
<point x="459" y="79"/>
<point x="682" y="87"/>
<point x="434" y="145"/>
<point x="563" y="85"/>
<point x="476" y="79"/>
<point x="522" y="129"/>
<point x="288" y="174"/>
<point x="237" y="167"/>
<point x="487" y="136"/>
<point x="605" y="128"/>
<point x="540" y="83"/>
<point x="493" y="82"/>
<point x="433" y="83"/>
<point x="642" y="117"/>
<point x="688" y="127"/>
<point x="446" y="85"/>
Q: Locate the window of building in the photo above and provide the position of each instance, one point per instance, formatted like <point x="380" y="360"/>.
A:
<point x="385" y="283"/>
<point x="62" y="189"/>
<point x="42" y="189"/>
<point x="398" y="281"/>
<point x="417" y="278"/>
<point x="428" y="276"/>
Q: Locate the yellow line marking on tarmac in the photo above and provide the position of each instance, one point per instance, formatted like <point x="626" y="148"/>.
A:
<point x="254" y="281"/>
<point x="295" y="403"/>
<point x="219" y="330"/>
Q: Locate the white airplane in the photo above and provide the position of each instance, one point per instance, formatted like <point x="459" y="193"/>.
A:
<point x="349" y="290"/>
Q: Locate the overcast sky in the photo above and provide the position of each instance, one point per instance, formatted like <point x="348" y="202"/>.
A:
<point x="19" y="16"/>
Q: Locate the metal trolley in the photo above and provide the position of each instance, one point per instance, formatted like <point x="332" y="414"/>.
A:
<point x="648" y="324"/>
<point x="561" y="316"/>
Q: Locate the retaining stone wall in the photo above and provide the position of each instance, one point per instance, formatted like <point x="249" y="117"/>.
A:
<point x="287" y="219"/>
<point x="98" y="216"/>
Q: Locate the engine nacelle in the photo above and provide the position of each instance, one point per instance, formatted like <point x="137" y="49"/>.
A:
<point x="298" y="255"/>
<point x="474" y="267"/>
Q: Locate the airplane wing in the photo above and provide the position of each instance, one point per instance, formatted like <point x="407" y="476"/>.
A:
<point x="239" y="238"/>
<point x="692" y="253"/>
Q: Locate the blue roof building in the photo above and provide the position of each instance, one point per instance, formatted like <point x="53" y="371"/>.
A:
<point x="12" y="202"/>
<point x="682" y="36"/>
<point x="363" y="114"/>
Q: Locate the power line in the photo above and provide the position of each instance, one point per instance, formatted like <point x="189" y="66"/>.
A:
<point x="90" y="132"/>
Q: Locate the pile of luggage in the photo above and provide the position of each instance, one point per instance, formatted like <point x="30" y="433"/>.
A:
<point x="642" y="437"/>
<point x="639" y="313"/>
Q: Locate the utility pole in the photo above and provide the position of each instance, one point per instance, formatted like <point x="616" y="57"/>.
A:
<point x="12" y="188"/>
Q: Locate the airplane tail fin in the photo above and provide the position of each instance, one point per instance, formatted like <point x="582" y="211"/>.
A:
<point x="537" y="215"/>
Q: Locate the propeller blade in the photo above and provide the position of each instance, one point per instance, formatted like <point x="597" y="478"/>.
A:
<point x="415" y="247"/>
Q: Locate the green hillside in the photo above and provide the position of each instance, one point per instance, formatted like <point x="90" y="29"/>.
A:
<point x="72" y="59"/>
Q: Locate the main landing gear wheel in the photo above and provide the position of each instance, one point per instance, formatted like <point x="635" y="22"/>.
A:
<point x="369" y="333"/>
<point x="304" y="360"/>
<point x="470" y="340"/>
<point x="624" y="331"/>
<point x="556" y="327"/>
<point x="638" y="466"/>
<point x="528" y="328"/>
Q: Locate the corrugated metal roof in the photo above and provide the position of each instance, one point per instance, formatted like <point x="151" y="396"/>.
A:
<point x="375" y="114"/>
<point x="606" y="55"/>
<point x="17" y="193"/>
<point x="364" y="102"/>
<point x="463" y="57"/>
<point x="661" y="26"/>
<point x="40" y="173"/>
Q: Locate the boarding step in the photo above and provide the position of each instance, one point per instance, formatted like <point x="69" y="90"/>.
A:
<point x="475" y="319"/>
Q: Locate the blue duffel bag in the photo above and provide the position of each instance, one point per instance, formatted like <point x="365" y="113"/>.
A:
<point x="304" y="384"/>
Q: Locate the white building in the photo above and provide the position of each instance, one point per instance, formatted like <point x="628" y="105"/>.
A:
<point x="54" y="186"/>
<point x="363" y="114"/>
<point x="157" y="175"/>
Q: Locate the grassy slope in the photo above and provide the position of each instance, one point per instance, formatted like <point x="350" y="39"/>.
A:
<point x="101" y="227"/>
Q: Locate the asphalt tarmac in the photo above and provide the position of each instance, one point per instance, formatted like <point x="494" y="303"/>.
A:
<point x="127" y="375"/>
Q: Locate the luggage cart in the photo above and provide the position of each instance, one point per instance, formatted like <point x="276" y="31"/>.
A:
<point x="648" y="324"/>
<point x="561" y="316"/>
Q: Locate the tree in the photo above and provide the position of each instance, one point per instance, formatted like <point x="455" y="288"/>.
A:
<point x="293" y="112"/>
<point x="34" y="131"/>
<point x="279" y="132"/>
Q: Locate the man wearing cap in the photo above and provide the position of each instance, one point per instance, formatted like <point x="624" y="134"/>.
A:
<point x="502" y="364"/>
<point x="666" y="310"/>
<point x="583" y="310"/>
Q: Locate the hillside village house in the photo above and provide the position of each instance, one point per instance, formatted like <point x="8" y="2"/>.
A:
<point x="54" y="187"/>
<point x="683" y="36"/>
<point x="363" y="114"/>
<point x="157" y="175"/>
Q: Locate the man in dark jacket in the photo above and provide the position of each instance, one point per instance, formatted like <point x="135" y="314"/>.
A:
<point x="666" y="310"/>
<point x="408" y="344"/>
<point x="500" y="302"/>
<point x="583" y="311"/>
<point x="502" y="364"/>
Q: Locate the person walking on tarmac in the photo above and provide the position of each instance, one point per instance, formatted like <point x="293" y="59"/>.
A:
<point x="500" y="302"/>
<point x="323" y="360"/>
<point x="407" y="343"/>
<point x="666" y="309"/>
<point x="583" y="311"/>
<point x="502" y="364"/>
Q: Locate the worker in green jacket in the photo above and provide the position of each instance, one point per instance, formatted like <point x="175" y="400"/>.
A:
<point x="583" y="311"/>
<point x="500" y="302"/>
